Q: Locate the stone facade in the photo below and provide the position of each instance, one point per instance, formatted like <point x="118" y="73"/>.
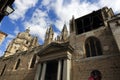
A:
<point x="2" y="36"/>
<point x="25" y="70"/>
<point x="22" y="42"/>
<point x="92" y="47"/>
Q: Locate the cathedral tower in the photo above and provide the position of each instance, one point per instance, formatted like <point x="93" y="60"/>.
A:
<point x="22" y="42"/>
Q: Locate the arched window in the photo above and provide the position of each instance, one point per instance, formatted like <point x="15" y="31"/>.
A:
<point x="33" y="61"/>
<point x="93" y="47"/>
<point x="27" y="42"/>
<point x="17" y="64"/>
<point x="3" y="70"/>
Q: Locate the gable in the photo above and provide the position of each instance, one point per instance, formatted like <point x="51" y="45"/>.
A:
<point x="55" y="50"/>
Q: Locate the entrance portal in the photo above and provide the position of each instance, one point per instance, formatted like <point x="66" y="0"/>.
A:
<point x="51" y="70"/>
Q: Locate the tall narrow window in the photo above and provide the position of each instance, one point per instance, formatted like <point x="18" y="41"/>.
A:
<point x="17" y="64"/>
<point x="27" y="42"/>
<point x="93" y="47"/>
<point x="3" y="70"/>
<point x="33" y="61"/>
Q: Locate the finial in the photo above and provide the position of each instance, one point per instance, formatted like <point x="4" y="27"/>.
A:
<point x="72" y="16"/>
<point x="64" y="28"/>
<point x="47" y="31"/>
<point x="50" y="26"/>
<point x="28" y="30"/>
<point x="51" y="29"/>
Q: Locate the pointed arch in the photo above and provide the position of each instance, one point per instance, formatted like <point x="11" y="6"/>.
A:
<point x="32" y="62"/>
<point x="93" y="47"/>
<point x="17" y="64"/>
<point x="3" y="70"/>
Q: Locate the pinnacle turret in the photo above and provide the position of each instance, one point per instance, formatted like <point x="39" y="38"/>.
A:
<point x="49" y="36"/>
<point x="64" y="33"/>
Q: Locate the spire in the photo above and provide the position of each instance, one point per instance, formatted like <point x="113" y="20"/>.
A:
<point x="49" y="35"/>
<point x="34" y="41"/>
<point x="64" y="33"/>
<point x="64" y="28"/>
<point x="47" y="31"/>
<point x="51" y="30"/>
<point x="73" y="17"/>
<point x="72" y="24"/>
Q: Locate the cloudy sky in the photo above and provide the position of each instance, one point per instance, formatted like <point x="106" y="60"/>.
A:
<point x="40" y="14"/>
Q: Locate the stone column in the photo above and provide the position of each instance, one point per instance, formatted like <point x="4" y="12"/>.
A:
<point x="43" y="72"/>
<point x="38" y="71"/>
<point x="59" y="70"/>
<point x="66" y="69"/>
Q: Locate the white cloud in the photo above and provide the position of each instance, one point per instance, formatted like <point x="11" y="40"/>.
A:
<point x="38" y="23"/>
<point x="110" y="3"/>
<point x="10" y="36"/>
<point x="48" y="3"/>
<point x="16" y="31"/>
<point x="21" y="7"/>
<point x="64" y="10"/>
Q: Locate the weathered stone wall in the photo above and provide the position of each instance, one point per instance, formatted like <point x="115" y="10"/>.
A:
<point x="115" y="28"/>
<point x="108" y="63"/>
<point x="109" y="66"/>
<point x="23" y="72"/>
<point x="104" y="35"/>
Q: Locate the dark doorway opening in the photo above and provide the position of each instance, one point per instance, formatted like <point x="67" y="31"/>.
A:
<point x="51" y="70"/>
